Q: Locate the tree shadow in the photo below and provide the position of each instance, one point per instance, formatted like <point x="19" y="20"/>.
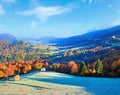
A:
<point x="98" y="86"/>
<point x="33" y="86"/>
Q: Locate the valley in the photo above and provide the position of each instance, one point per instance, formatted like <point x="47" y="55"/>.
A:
<point x="59" y="47"/>
<point x="87" y="48"/>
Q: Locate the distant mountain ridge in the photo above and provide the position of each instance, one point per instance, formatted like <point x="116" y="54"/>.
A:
<point x="79" y="40"/>
<point x="93" y="36"/>
<point x="44" y="40"/>
<point x="48" y="40"/>
<point x="7" y="37"/>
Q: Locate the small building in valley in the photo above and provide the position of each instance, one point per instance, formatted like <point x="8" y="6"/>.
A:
<point x="43" y="69"/>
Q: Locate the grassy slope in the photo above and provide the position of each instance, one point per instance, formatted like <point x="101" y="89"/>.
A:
<point x="52" y="83"/>
<point x="34" y="84"/>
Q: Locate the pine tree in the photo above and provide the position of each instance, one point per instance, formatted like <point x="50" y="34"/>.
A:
<point x="99" y="66"/>
<point x="83" y="68"/>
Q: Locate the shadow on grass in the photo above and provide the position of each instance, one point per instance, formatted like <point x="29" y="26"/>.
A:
<point x="33" y="86"/>
<point x="98" y="86"/>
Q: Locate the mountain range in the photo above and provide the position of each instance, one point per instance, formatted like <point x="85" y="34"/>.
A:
<point x="90" y="37"/>
<point x="94" y="37"/>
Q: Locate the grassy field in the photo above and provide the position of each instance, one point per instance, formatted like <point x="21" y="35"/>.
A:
<point x="52" y="83"/>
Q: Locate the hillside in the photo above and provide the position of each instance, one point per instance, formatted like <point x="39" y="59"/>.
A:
<point x="7" y="37"/>
<point x="102" y="44"/>
<point x="93" y="37"/>
<point x="20" y="50"/>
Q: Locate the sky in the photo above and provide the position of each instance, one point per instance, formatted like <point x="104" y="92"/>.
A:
<point x="57" y="18"/>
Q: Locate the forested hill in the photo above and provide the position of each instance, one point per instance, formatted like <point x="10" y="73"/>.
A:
<point x="90" y="37"/>
<point x="21" y="51"/>
<point x="26" y="57"/>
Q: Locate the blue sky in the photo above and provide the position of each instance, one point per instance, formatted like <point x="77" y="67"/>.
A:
<point x="58" y="18"/>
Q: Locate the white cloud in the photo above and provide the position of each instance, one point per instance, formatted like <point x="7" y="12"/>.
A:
<point x="1" y="10"/>
<point x="43" y="13"/>
<point x="8" y="1"/>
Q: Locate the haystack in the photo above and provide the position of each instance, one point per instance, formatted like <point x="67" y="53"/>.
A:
<point x="17" y="78"/>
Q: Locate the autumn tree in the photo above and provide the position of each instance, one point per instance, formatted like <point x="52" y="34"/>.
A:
<point x="56" y="66"/>
<point x="46" y="65"/>
<point x="73" y="68"/>
<point x="63" y="68"/>
<point x="2" y="74"/>
<point x="38" y="65"/>
<point x="26" y="68"/>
